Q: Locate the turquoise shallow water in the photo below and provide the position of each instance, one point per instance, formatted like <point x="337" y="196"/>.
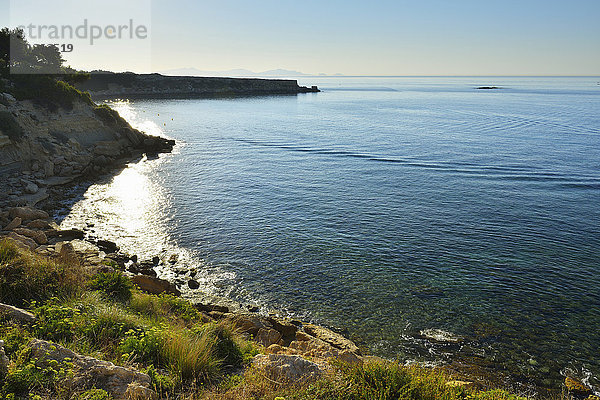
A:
<point x="387" y="206"/>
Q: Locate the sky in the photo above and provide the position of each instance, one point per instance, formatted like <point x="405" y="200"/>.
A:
<point x="399" y="37"/>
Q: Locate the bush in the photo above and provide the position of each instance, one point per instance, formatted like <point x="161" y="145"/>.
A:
<point x="26" y="277"/>
<point x="48" y="92"/>
<point x="26" y="377"/>
<point x="143" y="347"/>
<point x="55" y="322"/>
<point x="225" y="349"/>
<point x="94" y="394"/>
<point x="165" y="306"/>
<point x="114" y="285"/>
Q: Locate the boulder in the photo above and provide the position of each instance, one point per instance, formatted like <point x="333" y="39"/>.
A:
<point x="28" y="213"/>
<point x="192" y="284"/>
<point x="286" y="328"/>
<point x="15" y="223"/>
<point x="88" y="372"/>
<point x="142" y="269"/>
<point x="23" y="241"/>
<point x="211" y="307"/>
<point x="250" y="324"/>
<point x="16" y="314"/>
<point x="64" y="249"/>
<point x="38" y="236"/>
<point x="154" y="285"/>
<point x="31" y="188"/>
<point x="334" y="339"/>
<point x="267" y="337"/>
<point x="284" y="368"/>
<point x="39" y="224"/>
<point x="48" y="169"/>
<point x="70" y="234"/>
<point x="107" y="246"/>
<point x="349" y="357"/>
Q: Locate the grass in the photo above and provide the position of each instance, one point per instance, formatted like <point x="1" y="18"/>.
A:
<point x="185" y="355"/>
<point x="369" y="381"/>
<point x="26" y="278"/>
<point x="104" y="316"/>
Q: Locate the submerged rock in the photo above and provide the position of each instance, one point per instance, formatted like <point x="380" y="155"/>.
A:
<point x="576" y="387"/>
<point x="438" y="335"/>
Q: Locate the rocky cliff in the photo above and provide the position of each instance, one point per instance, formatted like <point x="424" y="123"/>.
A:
<point x="41" y="148"/>
<point x="112" y="85"/>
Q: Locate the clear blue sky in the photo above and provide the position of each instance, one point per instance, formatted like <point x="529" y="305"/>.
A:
<point x="428" y="37"/>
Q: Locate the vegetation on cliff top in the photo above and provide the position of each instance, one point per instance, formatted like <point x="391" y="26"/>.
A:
<point x="37" y="73"/>
<point x="185" y="355"/>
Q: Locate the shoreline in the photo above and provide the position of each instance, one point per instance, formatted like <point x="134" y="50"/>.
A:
<point x="56" y="194"/>
<point x="98" y="251"/>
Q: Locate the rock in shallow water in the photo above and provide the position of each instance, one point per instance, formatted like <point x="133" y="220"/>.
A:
<point x="438" y="335"/>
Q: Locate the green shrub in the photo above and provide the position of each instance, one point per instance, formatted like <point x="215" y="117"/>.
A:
<point x="48" y="92"/>
<point x="161" y="383"/>
<point x="55" y="322"/>
<point x="15" y="337"/>
<point x="113" y="284"/>
<point x="165" y="306"/>
<point x="143" y="346"/>
<point x="26" y="277"/>
<point x="94" y="394"/>
<point x="26" y="377"/>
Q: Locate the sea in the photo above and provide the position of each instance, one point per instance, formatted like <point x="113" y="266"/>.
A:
<point x="428" y="220"/>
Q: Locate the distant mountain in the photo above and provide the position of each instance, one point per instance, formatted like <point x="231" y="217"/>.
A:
<point x="232" y="73"/>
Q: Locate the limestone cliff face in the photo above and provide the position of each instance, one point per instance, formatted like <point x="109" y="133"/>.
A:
<point x="41" y="148"/>
<point x="110" y="85"/>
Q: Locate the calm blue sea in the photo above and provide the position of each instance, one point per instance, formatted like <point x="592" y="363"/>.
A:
<point x="385" y="207"/>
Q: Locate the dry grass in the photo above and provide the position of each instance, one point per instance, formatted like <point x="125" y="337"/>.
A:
<point x="27" y="277"/>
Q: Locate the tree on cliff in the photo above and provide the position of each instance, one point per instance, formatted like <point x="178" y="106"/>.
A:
<point x="37" y="72"/>
<point x="18" y="56"/>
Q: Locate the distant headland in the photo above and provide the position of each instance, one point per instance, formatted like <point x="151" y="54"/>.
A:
<point x="102" y="85"/>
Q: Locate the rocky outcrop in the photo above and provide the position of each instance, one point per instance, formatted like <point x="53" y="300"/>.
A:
<point x="17" y="314"/>
<point x="41" y="148"/>
<point x="291" y="337"/>
<point x="88" y="372"/>
<point x="287" y="369"/>
<point x="129" y="85"/>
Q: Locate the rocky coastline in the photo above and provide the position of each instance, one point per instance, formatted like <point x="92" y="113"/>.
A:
<point x="43" y="152"/>
<point x="104" y="85"/>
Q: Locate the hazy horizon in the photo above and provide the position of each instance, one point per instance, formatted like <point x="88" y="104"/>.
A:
<point x="390" y="38"/>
